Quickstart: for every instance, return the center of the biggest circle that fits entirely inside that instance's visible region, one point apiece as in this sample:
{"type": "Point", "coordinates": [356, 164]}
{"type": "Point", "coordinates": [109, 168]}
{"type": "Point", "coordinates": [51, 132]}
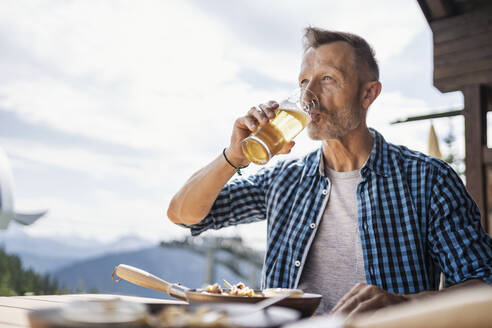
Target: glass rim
{"type": "Point", "coordinates": [297, 94]}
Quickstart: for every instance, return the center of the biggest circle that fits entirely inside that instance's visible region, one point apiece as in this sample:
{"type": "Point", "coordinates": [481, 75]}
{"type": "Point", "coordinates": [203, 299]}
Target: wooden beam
{"type": "Point", "coordinates": [425, 10]}
{"type": "Point", "coordinates": [456, 32]}
{"type": "Point", "coordinates": [430, 116]}
{"type": "Point", "coordinates": [440, 8]}
{"type": "Point", "coordinates": [488, 172]}
{"type": "Point", "coordinates": [475, 141]}
{"type": "Point", "coordinates": [461, 25]}
{"type": "Point", "coordinates": [469, 66]}
{"type": "Point", "coordinates": [455, 83]}
{"type": "Point", "coordinates": [487, 156]}
{"type": "Point", "coordinates": [463, 49]}
{"type": "Point", "coordinates": [457, 58]}
{"type": "Point", "coordinates": [462, 44]}
{"type": "Point", "coordinates": [489, 98]}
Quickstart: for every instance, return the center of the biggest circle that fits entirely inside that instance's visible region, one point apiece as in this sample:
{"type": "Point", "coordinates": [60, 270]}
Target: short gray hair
{"type": "Point", "coordinates": [364, 53]}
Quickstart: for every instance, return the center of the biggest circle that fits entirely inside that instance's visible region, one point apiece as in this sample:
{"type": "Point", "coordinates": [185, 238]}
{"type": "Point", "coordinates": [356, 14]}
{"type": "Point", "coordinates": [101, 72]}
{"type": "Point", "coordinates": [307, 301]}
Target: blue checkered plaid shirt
{"type": "Point", "coordinates": [416, 219]}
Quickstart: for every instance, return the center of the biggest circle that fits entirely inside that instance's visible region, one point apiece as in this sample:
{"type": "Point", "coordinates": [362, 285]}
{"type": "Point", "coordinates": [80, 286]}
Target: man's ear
{"type": "Point", "coordinates": [369, 92]}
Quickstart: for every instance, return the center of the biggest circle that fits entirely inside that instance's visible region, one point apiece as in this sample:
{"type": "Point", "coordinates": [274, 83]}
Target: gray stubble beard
{"type": "Point", "coordinates": [333, 130]}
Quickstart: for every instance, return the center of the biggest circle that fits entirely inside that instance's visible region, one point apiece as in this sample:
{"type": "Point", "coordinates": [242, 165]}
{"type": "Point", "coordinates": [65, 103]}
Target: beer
{"type": "Point", "coordinates": [269, 139]}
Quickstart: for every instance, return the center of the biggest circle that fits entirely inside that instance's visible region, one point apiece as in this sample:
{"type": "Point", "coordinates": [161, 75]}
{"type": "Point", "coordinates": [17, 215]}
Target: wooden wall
{"type": "Point", "coordinates": [463, 62]}
{"type": "Point", "coordinates": [476, 147]}
{"type": "Point", "coordinates": [463, 50]}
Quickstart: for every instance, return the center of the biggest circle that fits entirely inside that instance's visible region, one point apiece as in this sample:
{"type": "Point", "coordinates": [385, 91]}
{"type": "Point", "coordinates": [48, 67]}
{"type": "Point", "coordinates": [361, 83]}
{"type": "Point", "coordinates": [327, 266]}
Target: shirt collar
{"type": "Point", "coordinates": [377, 161]}
{"type": "Point", "coordinates": [313, 162]}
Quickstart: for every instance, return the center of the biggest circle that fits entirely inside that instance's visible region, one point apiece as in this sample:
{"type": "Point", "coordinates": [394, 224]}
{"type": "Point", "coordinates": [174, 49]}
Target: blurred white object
{"type": "Point", "coordinates": [322, 321]}
{"type": "Point", "coordinates": [7, 210]}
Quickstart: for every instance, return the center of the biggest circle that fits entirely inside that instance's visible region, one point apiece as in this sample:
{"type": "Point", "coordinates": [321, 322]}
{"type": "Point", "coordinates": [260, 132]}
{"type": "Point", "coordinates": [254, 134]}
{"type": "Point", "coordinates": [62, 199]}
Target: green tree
{"type": "Point", "coordinates": [452, 158]}
{"type": "Point", "coordinates": [14, 280]}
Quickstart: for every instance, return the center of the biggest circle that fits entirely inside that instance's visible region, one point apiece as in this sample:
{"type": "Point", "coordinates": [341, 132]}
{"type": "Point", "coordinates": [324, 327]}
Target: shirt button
{"type": "Point", "coordinates": [365, 226]}
{"type": "Point", "coordinates": [298, 263]}
{"type": "Point", "coordinates": [371, 270]}
{"type": "Point", "coordinates": [325, 192]}
{"type": "Point", "coordinates": [312, 225]}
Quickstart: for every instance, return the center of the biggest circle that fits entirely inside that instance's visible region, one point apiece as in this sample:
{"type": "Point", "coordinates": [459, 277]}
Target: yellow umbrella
{"type": "Point", "coordinates": [434, 143]}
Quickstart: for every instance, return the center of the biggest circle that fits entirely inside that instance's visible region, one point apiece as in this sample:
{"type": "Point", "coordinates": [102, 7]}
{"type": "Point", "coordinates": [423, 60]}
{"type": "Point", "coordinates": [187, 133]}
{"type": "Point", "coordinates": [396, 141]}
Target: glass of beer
{"type": "Point", "coordinates": [292, 116]}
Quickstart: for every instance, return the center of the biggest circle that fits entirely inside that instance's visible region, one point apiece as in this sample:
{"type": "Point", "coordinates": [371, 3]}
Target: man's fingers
{"type": "Point", "coordinates": [362, 302]}
{"type": "Point", "coordinates": [249, 122]}
{"type": "Point", "coordinates": [256, 116]}
{"type": "Point", "coordinates": [369, 298]}
{"type": "Point", "coordinates": [259, 115]}
{"type": "Point", "coordinates": [364, 293]}
{"type": "Point", "coordinates": [354, 291]}
{"type": "Point", "coordinates": [269, 109]}
{"type": "Point", "coordinates": [373, 303]}
{"type": "Point", "coordinates": [349, 305]}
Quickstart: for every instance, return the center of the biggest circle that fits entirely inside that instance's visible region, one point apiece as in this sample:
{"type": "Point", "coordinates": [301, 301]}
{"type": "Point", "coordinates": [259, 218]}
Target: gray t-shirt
{"type": "Point", "coordinates": [335, 262]}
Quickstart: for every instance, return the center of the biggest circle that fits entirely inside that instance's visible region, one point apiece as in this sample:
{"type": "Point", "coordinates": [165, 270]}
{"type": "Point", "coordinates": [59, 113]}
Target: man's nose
{"type": "Point", "coordinates": [309, 99]}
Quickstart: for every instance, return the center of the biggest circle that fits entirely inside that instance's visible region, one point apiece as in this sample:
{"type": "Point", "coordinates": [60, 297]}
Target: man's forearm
{"type": "Point", "coordinates": [467, 283]}
{"type": "Point", "coordinates": [195, 199]}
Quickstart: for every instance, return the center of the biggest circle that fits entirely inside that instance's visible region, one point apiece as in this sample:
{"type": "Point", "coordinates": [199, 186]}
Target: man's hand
{"type": "Point", "coordinates": [363, 297]}
{"type": "Point", "coordinates": [245, 125]}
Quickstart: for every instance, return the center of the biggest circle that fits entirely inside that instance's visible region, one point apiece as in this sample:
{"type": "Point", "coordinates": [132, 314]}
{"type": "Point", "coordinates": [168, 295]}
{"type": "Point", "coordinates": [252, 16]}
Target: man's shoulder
{"type": "Point", "coordinates": [411, 158]}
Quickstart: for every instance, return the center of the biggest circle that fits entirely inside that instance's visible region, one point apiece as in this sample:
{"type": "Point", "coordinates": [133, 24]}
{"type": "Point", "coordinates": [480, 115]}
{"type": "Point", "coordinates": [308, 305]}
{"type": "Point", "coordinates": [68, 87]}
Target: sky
{"type": "Point", "coordinates": [107, 107]}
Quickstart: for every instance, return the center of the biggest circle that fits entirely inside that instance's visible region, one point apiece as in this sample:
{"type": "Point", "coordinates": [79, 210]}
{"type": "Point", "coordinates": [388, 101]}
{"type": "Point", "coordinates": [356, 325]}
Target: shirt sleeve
{"type": "Point", "coordinates": [457, 240]}
{"type": "Point", "coordinates": [240, 201]}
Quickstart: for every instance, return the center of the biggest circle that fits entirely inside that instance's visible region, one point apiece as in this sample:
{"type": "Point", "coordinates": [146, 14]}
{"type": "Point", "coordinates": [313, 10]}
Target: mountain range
{"type": "Point", "coordinates": [84, 265]}
{"type": "Point", "coordinates": [48, 254]}
{"type": "Point", "coordinates": [172, 265]}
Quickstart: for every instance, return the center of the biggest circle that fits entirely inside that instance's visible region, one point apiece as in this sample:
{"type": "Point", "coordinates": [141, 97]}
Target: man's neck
{"type": "Point", "coordinates": [350, 152]}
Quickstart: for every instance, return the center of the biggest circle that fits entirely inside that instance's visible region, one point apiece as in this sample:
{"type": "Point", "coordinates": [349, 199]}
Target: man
{"type": "Point", "coordinates": [359, 211]}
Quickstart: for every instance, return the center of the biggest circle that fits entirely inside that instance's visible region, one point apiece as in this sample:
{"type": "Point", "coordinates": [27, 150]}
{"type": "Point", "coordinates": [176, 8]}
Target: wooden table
{"type": "Point", "coordinates": [466, 307]}
{"type": "Point", "coordinates": [14, 309]}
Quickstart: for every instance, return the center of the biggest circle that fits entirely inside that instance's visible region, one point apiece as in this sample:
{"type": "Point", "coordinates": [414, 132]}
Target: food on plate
{"type": "Point", "coordinates": [214, 289]}
{"type": "Point", "coordinates": [241, 289]}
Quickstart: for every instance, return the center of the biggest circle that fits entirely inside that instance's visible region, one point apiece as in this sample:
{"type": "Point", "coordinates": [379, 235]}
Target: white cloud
{"type": "Point", "coordinates": [270, 40]}
{"type": "Point", "coordinates": [162, 76]}
{"type": "Point", "coordinates": [104, 216]}
{"type": "Point", "coordinates": [133, 73]}
{"type": "Point", "coordinates": [115, 68]}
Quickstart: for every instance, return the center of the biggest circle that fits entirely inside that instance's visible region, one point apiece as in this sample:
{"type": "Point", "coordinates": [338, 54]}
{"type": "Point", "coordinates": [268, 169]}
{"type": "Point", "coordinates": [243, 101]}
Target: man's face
{"type": "Point", "coordinates": [329, 71]}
